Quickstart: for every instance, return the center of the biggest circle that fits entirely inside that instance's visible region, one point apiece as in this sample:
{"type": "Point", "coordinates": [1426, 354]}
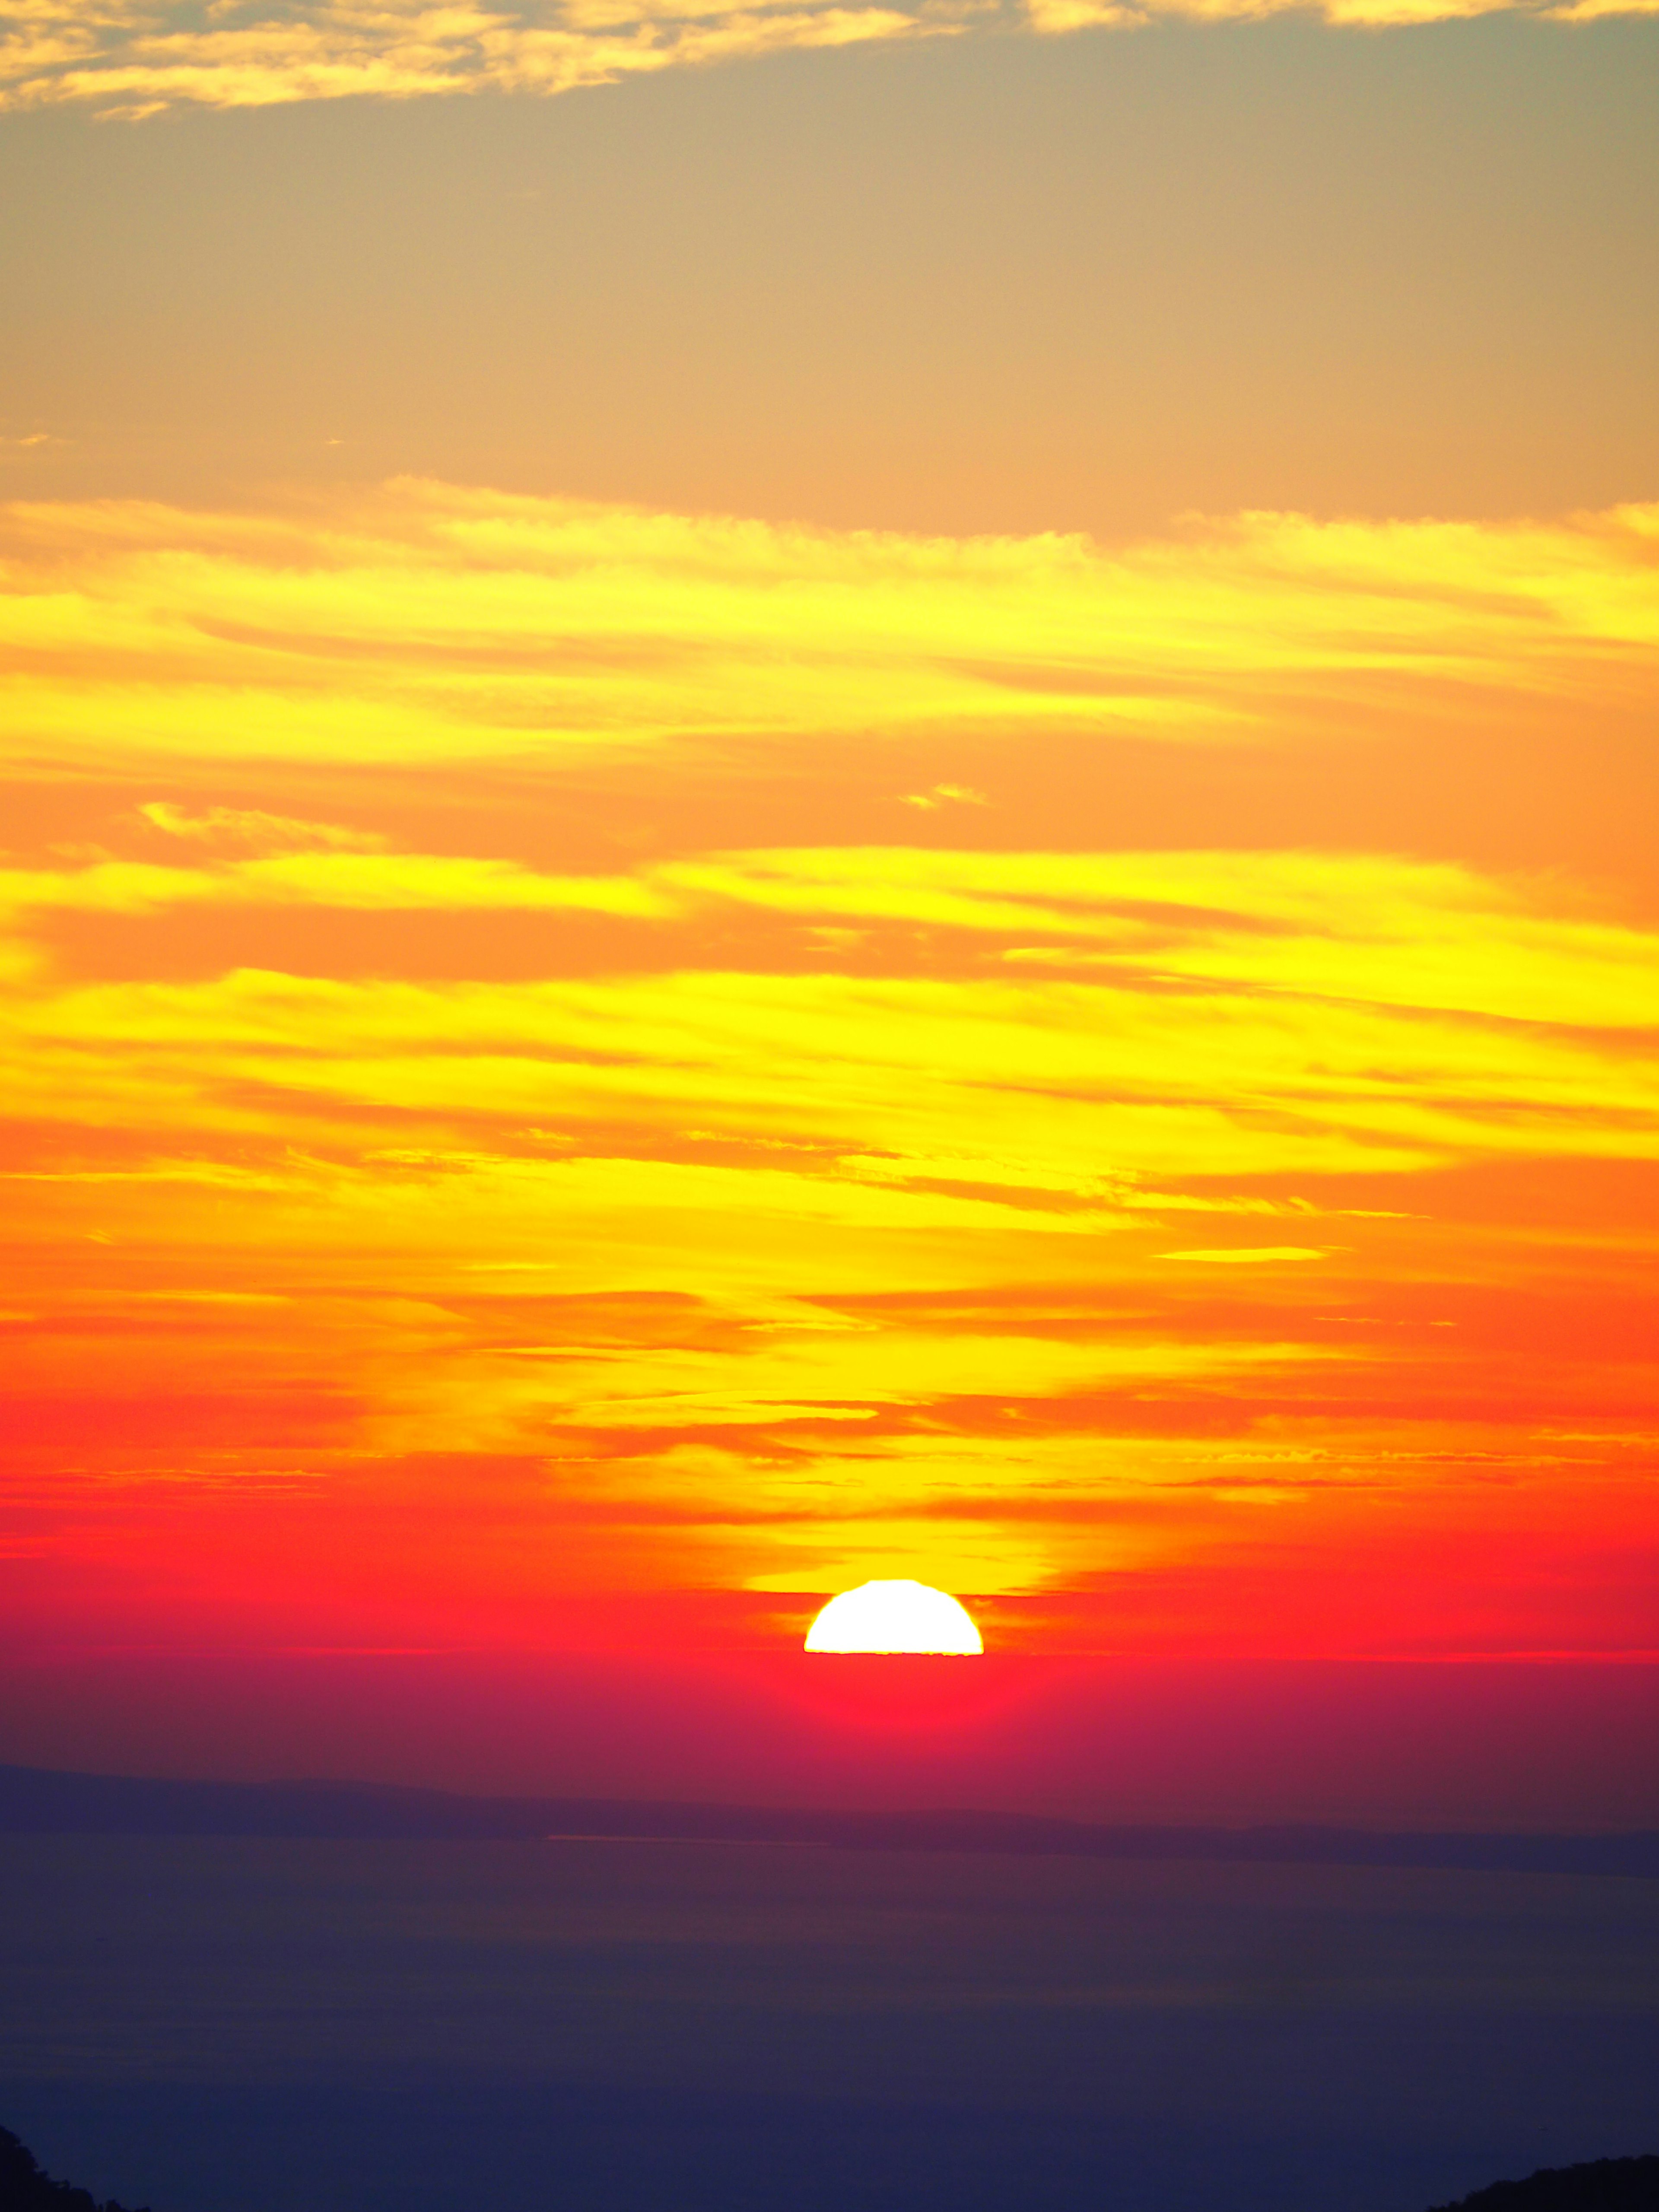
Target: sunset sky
{"type": "Point", "coordinates": [805, 792]}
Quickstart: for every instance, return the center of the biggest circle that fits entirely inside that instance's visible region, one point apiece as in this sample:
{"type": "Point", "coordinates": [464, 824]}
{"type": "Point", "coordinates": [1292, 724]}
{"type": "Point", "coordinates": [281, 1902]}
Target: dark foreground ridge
{"type": "Point", "coordinates": [1605, 2184]}
{"type": "Point", "coordinates": [38, 1801]}
{"type": "Point", "coordinates": [24, 2188]}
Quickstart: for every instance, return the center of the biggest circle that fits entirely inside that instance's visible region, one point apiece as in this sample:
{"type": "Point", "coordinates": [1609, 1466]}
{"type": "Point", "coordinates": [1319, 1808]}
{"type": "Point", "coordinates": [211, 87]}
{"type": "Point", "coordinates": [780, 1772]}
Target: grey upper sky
{"type": "Point", "coordinates": [997, 282]}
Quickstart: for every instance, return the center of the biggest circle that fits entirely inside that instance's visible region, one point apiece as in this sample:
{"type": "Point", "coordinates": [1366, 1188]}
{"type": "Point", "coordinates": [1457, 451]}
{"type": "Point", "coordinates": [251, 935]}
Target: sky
{"type": "Point", "coordinates": [816, 792]}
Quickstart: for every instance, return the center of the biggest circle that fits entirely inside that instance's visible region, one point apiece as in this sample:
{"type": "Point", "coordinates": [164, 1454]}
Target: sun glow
{"type": "Point", "coordinates": [899, 1616]}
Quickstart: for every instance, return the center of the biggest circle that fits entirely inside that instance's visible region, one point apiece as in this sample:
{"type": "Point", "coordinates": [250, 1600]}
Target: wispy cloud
{"type": "Point", "coordinates": [1469, 1024]}
{"type": "Point", "coordinates": [425, 623]}
{"type": "Point", "coordinates": [252, 825]}
{"type": "Point", "coordinates": [399, 883]}
{"type": "Point", "coordinates": [1056, 17]}
{"type": "Point", "coordinates": [136, 60]}
{"type": "Point", "coordinates": [384, 1184]}
{"type": "Point", "coordinates": [677, 1236]}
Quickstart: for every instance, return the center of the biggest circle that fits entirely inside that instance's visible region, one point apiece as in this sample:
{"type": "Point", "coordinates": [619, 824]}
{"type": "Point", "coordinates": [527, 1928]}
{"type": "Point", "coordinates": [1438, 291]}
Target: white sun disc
{"type": "Point", "coordinates": [894, 1617]}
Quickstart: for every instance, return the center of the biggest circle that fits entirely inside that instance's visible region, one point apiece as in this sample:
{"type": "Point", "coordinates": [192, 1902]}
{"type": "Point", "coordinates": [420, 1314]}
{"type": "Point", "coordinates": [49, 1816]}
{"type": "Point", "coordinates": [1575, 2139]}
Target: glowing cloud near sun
{"type": "Point", "coordinates": [901, 1616]}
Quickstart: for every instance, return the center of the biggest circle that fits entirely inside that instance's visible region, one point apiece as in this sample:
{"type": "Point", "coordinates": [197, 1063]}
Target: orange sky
{"type": "Point", "coordinates": [805, 792]}
{"type": "Point", "coordinates": [569, 1065]}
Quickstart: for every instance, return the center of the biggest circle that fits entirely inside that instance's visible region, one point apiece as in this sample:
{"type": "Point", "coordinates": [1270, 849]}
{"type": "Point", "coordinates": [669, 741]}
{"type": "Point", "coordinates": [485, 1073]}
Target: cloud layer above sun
{"type": "Point", "coordinates": [554, 1050]}
{"type": "Point", "coordinates": [136, 60]}
{"type": "Point", "coordinates": [422, 623]}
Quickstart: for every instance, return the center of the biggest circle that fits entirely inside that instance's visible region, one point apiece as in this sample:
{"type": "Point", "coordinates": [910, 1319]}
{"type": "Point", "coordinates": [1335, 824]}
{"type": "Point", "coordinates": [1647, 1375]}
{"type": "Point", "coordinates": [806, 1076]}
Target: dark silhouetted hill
{"type": "Point", "coordinates": [1605, 2184]}
{"type": "Point", "coordinates": [24, 2188]}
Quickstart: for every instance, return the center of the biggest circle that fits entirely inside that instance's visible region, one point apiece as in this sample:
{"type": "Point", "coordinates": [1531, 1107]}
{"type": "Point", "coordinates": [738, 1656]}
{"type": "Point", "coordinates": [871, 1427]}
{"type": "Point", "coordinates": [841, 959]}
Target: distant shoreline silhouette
{"type": "Point", "coordinates": [40, 1801]}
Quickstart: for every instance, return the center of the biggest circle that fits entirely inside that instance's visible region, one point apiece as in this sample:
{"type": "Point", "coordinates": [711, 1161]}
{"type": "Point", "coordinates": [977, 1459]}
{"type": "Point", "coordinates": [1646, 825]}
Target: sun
{"type": "Point", "coordinates": [894, 1617]}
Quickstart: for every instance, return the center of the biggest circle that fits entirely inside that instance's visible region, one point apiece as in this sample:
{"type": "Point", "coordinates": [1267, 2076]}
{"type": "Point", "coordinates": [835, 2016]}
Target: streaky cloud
{"type": "Point", "coordinates": [422, 622]}
{"type": "Point", "coordinates": [135, 61]}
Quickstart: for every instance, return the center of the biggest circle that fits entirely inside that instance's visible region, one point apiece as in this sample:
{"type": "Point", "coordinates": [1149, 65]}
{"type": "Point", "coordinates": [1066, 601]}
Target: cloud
{"type": "Point", "coordinates": [1053, 17]}
{"type": "Point", "coordinates": [1387, 1018]}
{"type": "Point", "coordinates": [425, 624]}
{"type": "Point", "coordinates": [1253, 1255]}
{"type": "Point", "coordinates": [773, 1198]}
{"type": "Point", "coordinates": [683, 1240]}
{"type": "Point", "coordinates": [945, 794]}
{"type": "Point", "coordinates": [392, 883]}
{"type": "Point", "coordinates": [1347, 929]}
{"type": "Point", "coordinates": [251, 825]}
{"type": "Point", "coordinates": [1056, 17]}
{"type": "Point", "coordinates": [136, 60]}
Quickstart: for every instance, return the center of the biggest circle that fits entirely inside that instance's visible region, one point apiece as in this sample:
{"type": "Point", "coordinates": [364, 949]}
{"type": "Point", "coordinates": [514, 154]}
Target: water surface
{"type": "Point", "coordinates": [253, 2026]}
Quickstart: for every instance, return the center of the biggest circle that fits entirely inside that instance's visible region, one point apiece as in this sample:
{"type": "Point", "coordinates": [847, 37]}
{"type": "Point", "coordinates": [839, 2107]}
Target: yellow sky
{"type": "Point", "coordinates": [425, 624]}
{"type": "Point", "coordinates": [1031, 1219]}
{"type": "Point", "coordinates": [879, 805]}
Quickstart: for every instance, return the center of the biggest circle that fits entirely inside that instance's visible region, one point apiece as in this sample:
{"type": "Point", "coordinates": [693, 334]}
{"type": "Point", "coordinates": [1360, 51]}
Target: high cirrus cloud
{"type": "Point", "coordinates": [423, 623]}
{"type": "Point", "coordinates": [137, 60]}
{"type": "Point", "coordinates": [1040, 1274]}
{"type": "Point", "coordinates": [503, 1080]}
{"type": "Point", "coordinates": [1179, 1014]}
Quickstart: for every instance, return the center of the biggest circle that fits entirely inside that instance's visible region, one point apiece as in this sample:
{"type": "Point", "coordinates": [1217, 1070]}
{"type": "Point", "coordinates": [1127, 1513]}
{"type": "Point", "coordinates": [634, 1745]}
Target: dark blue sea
{"type": "Point", "coordinates": [245, 2026]}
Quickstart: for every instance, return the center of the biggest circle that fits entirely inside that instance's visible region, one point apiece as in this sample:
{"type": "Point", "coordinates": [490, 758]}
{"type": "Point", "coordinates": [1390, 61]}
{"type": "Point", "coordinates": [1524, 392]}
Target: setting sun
{"type": "Point", "coordinates": [899, 1616]}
